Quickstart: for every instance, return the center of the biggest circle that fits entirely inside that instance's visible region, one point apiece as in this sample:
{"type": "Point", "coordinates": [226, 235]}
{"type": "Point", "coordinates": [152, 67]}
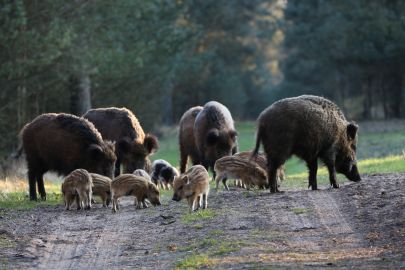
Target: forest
{"type": "Point", "coordinates": [161, 57]}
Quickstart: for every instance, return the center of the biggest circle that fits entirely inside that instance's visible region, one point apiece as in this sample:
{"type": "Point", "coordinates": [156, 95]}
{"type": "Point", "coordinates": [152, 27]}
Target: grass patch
{"type": "Point", "coordinates": [194, 262]}
{"type": "Point", "coordinates": [198, 215]}
{"type": "Point", "coordinates": [225, 248]}
{"type": "Point", "coordinates": [14, 194]}
{"type": "Point", "coordinates": [6, 242]}
{"type": "Point", "coordinates": [20, 200]}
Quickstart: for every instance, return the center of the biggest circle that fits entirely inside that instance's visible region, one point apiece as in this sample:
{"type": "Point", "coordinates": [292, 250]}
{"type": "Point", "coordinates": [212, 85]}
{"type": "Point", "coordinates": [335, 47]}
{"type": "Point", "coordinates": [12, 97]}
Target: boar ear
{"type": "Point", "coordinates": [212, 136]}
{"type": "Point", "coordinates": [124, 145]}
{"type": "Point", "coordinates": [151, 143]}
{"type": "Point", "coordinates": [95, 150]}
{"type": "Point", "coordinates": [186, 180]}
{"type": "Point", "coordinates": [352, 130]}
{"type": "Point", "coordinates": [233, 134]}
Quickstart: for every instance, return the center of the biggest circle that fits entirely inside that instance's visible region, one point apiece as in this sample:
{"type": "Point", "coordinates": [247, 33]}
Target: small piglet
{"type": "Point", "coordinates": [194, 186]}
{"type": "Point", "coordinates": [133, 185]}
{"type": "Point", "coordinates": [102, 188]}
{"type": "Point", "coordinates": [142, 173]}
{"type": "Point", "coordinates": [77, 186]}
{"type": "Point", "coordinates": [234, 167]}
{"type": "Point", "coordinates": [163, 173]}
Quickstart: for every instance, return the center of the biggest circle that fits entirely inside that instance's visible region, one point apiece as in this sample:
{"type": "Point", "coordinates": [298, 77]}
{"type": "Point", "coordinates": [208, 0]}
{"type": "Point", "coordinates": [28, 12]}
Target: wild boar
{"type": "Point", "coordinates": [120, 125]}
{"type": "Point", "coordinates": [309, 127]}
{"type": "Point", "coordinates": [133, 185]}
{"type": "Point", "coordinates": [63, 143]}
{"type": "Point", "coordinates": [102, 188]}
{"type": "Point", "coordinates": [188, 148]}
{"type": "Point", "coordinates": [261, 160]}
{"type": "Point", "coordinates": [194, 186]}
{"type": "Point", "coordinates": [142, 173]}
{"type": "Point", "coordinates": [214, 134]}
{"type": "Point", "coordinates": [163, 173]}
{"type": "Point", "coordinates": [77, 186]}
{"type": "Point", "coordinates": [235, 167]}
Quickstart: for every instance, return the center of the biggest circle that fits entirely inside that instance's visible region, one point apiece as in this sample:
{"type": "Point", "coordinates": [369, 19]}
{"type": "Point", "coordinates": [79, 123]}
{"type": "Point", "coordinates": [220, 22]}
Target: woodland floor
{"type": "Point", "coordinates": [359, 226]}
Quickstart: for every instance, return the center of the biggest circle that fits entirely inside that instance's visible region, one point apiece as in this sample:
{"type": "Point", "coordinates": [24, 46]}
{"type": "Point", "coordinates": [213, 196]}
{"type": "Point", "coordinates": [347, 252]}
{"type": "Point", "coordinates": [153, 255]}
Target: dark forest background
{"type": "Point", "coordinates": [160, 57]}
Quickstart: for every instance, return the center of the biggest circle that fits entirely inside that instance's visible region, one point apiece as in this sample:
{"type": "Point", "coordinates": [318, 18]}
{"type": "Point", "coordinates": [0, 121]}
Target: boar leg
{"type": "Point", "coordinates": [78, 202]}
{"type": "Point", "coordinates": [183, 161]}
{"type": "Point", "coordinates": [205, 201]}
{"type": "Point", "coordinates": [332, 175]}
{"type": "Point", "coordinates": [224, 183]}
{"type": "Point", "coordinates": [32, 185]}
{"type": "Point", "coordinates": [313, 169]}
{"type": "Point", "coordinates": [117, 169]}
{"type": "Point", "coordinates": [272, 174]}
{"type": "Point", "coordinates": [41, 186]}
{"type": "Point", "coordinates": [88, 195]}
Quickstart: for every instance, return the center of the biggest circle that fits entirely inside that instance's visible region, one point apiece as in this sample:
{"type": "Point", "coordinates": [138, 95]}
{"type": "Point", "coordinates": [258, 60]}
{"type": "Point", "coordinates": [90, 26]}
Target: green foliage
{"type": "Point", "coordinates": [346, 50]}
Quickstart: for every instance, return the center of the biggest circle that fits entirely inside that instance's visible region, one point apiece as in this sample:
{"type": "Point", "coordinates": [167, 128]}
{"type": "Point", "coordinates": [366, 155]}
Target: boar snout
{"type": "Point", "coordinates": [176, 198]}
{"type": "Point", "coordinates": [157, 204]}
{"type": "Point", "coordinates": [354, 174]}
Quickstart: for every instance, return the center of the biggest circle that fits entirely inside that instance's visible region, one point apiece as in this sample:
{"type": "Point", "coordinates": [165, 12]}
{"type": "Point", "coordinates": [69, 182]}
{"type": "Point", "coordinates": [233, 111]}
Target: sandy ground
{"type": "Point", "coordinates": [359, 226]}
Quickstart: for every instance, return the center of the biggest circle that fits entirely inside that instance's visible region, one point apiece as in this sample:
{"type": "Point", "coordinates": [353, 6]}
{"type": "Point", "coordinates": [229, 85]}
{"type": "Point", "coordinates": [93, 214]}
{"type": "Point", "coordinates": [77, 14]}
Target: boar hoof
{"type": "Point", "coordinates": [335, 185]}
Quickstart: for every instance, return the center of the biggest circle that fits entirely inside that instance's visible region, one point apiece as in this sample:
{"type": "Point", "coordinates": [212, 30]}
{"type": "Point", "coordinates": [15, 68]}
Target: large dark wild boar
{"type": "Point", "coordinates": [186, 138]}
{"type": "Point", "coordinates": [309, 127]}
{"type": "Point", "coordinates": [63, 143]}
{"type": "Point", "coordinates": [132, 146]}
{"type": "Point", "coordinates": [214, 134]}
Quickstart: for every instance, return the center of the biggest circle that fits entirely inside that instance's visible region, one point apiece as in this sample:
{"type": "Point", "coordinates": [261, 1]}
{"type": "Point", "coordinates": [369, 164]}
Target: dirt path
{"type": "Point", "coordinates": [359, 226]}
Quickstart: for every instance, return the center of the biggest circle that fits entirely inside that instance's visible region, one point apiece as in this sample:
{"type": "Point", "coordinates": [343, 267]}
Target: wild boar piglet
{"type": "Point", "coordinates": [77, 186]}
{"type": "Point", "coordinates": [102, 188]}
{"type": "Point", "coordinates": [193, 185]}
{"type": "Point", "coordinates": [163, 173]}
{"type": "Point", "coordinates": [233, 167]}
{"type": "Point", "coordinates": [134, 185]}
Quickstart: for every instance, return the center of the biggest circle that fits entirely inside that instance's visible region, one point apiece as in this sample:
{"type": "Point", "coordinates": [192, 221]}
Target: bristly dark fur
{"type": "Point", "coordinates": [121, 126]}
{"type": "Point", "coordinates": [63, 143]}
{"type": "Point", "coordinates": [81, 127]}
{"type": "Point", "coordinates": [214, 133]}
{"type": "Point", "coordinates": [311, 128]}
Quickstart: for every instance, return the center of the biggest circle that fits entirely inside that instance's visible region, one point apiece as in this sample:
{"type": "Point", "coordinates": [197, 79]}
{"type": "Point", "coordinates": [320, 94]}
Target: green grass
{"type": "Point", "coordinates": [20, 200]}
{"type": "Point", "coordinates": [195, 261]}
{"type": "Point", "coordinates": [198, 215]}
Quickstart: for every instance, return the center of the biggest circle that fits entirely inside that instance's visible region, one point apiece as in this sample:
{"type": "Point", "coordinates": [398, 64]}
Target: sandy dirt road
{"type": "Point", "coordinates": [359, 226]}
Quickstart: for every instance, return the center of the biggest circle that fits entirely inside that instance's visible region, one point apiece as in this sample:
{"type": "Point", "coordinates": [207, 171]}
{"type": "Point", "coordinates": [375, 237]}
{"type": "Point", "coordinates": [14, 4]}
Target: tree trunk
{"type": "Point", "coordinates": [80, 94]}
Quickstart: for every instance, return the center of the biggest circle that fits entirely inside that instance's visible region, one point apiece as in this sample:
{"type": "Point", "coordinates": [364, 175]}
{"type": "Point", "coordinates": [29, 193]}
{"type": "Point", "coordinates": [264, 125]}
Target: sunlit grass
{"type": "Point", "coordinates": [14, 194]}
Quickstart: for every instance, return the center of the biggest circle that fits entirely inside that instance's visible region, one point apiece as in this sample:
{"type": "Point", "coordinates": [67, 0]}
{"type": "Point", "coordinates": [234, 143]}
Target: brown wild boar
{"type": "Point", "coordinates": [309, 127]}
{"type": "Point", "coordinates": [102, 188]}
{"type": "Point", "coordinates": [194, 186]}
{"type": "Point", "coordinates": [133, 185]}
{"type": "Point", "coordinates": [261, 160]}
{"type": "Point", "coordinates": [188, 148]}
{"type": "Point", "coordinates": [77, 186]}
{"type": "Point", "coordinates": [63, 143]}
{"type": "Point", "coordinates": [214, 134]}
{"type": "Point", "coordinates": [234, 167]}
{"type": "Point", "coordinates": [142, 173]}
{"type": "Point", "coordinates": [120, 125]}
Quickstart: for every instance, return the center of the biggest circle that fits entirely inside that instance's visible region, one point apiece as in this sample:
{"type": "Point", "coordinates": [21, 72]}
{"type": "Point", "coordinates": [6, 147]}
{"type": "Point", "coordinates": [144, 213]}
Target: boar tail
{"type": "Point", "coordinates": [255, 151]}
{"type": "Point", "coordinates": [17, 154]}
